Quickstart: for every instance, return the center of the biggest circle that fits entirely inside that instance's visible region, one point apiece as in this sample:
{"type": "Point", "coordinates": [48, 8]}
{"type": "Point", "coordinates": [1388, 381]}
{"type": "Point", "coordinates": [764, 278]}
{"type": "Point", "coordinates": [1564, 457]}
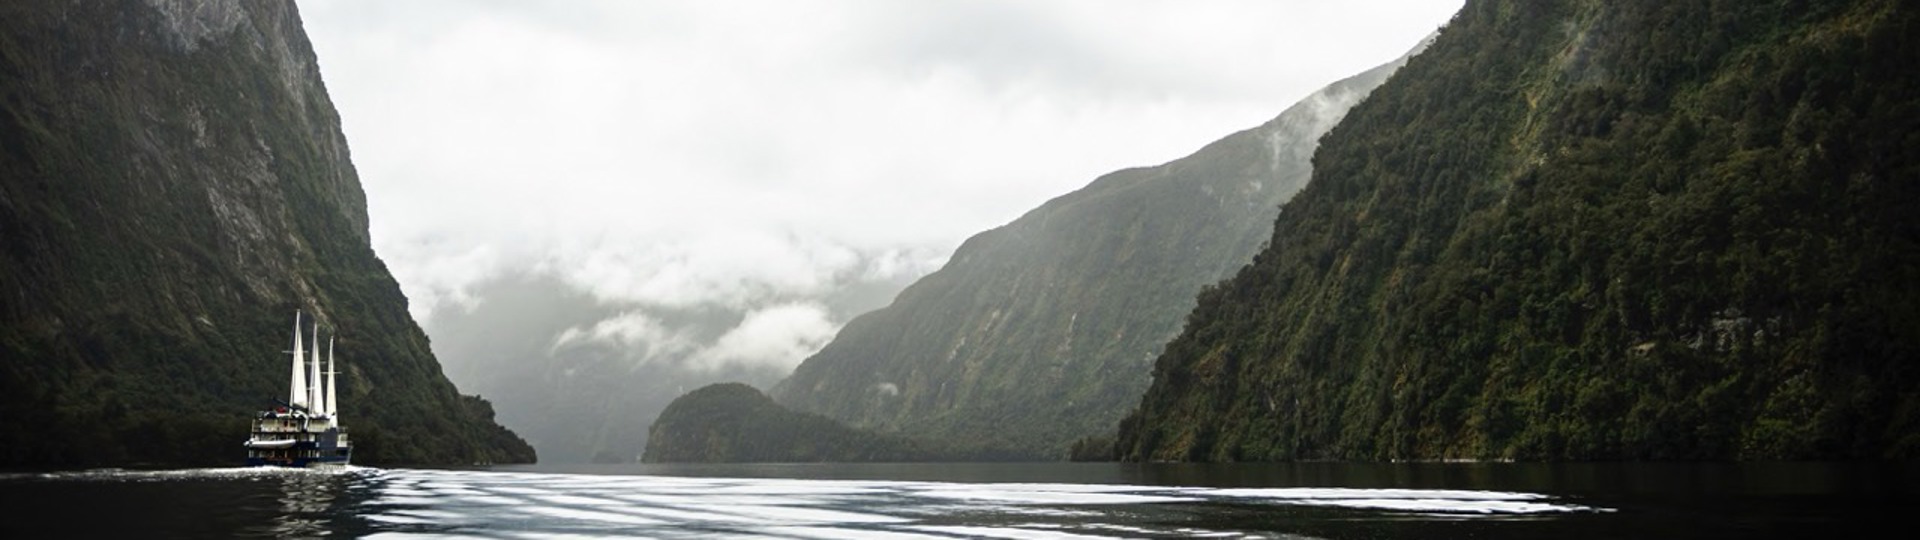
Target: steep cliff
{"type": "Point", "coordinates": [1576, 229]}
{"type": "Point", "coordinates": [174, 184]}
{"type": "Point", "coordinates": [1043, 331]}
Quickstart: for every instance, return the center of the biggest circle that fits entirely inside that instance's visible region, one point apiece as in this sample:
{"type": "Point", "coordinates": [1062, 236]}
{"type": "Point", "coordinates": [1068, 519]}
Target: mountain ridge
{"type": "Point", "coordinates": [1039, 332]}
{"type": "Point", "coordinates": [176, 187]}
{"type": "Point", "coordinates": [1584, 230]}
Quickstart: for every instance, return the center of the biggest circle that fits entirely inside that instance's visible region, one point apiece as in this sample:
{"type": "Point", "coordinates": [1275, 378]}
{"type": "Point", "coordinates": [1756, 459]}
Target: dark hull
{"type": "Point", "coordinates": [297, 462]}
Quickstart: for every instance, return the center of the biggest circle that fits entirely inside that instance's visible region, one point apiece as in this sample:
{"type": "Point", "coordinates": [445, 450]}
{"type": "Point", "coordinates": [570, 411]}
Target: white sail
{"type": "Point", "coordinates": [313, 390]}
{"type": "Point", "coordinates": [333, 407]}
{"type": "Point", "coordinates": [298, 393]}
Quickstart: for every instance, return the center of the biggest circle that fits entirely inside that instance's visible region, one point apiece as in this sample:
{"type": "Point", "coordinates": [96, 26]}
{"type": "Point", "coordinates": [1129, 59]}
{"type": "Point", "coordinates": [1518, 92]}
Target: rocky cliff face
{"type": "Point", "coordinates": [1043, 331]}
{"type": "Point", "coordinates": [174, 184]}
{"type": "Point", "coordinates": [1586, 230]}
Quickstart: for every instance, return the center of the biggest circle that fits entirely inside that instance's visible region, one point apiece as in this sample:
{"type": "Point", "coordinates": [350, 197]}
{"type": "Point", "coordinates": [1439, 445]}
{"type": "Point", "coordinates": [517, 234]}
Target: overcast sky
{"type": "Point", "coordinates": [753, 157]}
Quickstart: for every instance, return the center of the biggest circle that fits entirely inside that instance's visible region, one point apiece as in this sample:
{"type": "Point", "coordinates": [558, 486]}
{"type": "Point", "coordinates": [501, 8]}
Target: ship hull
{"type": "Point", "coordinates": [298, 462]}
{"type": "Point", "coordinates": [293, 440]}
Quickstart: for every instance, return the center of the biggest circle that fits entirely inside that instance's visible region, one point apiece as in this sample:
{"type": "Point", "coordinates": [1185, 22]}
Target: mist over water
{"type": "Point", "coordinates": [711, 191]}
{"type": "Point", "coordinates": [1039, 500]}
{"type": "Point", "coordinates": [583, 381]}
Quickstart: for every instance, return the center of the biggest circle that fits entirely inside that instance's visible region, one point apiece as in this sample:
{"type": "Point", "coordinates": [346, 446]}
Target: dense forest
{"type": "Point", "coordinates": [1043, 331]}
{"type": "Point", "coordinates": [174, 185]}
{"type": "Point", "coordinates": [733, 422]}
{"type": "Point", "coordinates": [1577, 229]}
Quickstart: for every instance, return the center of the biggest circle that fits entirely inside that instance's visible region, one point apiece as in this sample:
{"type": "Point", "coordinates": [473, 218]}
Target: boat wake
{"type": "Point", "coordinates": [168, 475]}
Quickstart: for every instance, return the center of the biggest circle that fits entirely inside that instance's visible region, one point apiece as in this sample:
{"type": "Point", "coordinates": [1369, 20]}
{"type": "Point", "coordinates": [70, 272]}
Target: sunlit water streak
{"type": "Point", "coordinates": [457, 503]}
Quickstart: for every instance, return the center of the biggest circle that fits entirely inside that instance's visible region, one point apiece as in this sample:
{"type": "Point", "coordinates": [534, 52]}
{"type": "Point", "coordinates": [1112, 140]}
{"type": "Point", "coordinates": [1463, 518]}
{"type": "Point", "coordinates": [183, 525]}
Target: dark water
{"type": "Point", "coordinates": [1050, 500]}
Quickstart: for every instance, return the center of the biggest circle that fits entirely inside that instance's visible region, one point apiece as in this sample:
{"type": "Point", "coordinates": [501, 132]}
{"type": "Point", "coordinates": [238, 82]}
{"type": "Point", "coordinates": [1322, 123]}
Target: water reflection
{"type": "Point", "coordinates": [306, 504]}
{"type": "Point", "coordinates": [1047, 500]}
{"type": "Point", "coordinates": [470, 502]}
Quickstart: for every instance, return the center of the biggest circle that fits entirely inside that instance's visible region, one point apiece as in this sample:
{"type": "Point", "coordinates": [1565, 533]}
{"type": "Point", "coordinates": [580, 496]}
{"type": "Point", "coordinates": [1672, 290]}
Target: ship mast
{"type": "Point", "coordinates": [297, 395]}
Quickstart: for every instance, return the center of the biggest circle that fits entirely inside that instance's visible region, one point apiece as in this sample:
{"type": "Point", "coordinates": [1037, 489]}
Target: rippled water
{"type": "Point", "coordinates": [965, 501]}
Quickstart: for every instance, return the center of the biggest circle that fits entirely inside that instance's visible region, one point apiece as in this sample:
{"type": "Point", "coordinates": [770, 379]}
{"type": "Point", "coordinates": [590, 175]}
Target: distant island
{"type": "Point", "coordinates": [732, 422]}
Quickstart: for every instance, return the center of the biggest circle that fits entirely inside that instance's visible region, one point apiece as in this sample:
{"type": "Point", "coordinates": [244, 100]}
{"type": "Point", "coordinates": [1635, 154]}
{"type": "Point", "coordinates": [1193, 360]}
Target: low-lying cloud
{"type": "Point", "coordinates": [681, 154]}
{"type": "Point", "coordinates": [778, 336]}
{"type": "Point", "coordinates": [717, 187]}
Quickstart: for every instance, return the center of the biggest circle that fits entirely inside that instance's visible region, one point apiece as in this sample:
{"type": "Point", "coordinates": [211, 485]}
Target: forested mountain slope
{"type": "Point", "coordinates": [1586, 230]}
{"type": "Point", "coordinates": [734, 423]}
{"type": "Point", "coordinates": [174, 184]}
{"type": "Point", "coordinates": [1043, 331]}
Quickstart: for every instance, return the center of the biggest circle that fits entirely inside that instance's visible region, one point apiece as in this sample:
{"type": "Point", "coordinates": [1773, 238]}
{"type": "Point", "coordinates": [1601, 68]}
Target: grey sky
{"type": "Point", "coordinates": [758, 157]}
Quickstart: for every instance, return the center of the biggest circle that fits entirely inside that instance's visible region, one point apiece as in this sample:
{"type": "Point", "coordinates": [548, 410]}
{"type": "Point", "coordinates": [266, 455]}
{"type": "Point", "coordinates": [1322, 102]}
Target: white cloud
{"type": "Point", "coordinates": [741, 154]}
{"type": "Point", "coordinates": [779, 336]}
{"type": "Point", "coordinates": [643, 338]}
{"type": "Point", "coordinates": [728, 268]}
{"type": "Point", "coordinates": [730, 181]}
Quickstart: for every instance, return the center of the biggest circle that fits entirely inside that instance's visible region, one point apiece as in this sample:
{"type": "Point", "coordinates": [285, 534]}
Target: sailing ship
{"type": "Point", "coordinates": [304, 430]}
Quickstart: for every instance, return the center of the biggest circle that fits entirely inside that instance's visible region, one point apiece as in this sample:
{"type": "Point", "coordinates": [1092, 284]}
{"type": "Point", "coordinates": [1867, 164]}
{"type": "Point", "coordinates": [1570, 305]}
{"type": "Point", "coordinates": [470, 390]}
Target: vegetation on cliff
{"type": "Point", "coordinates": [174, 184]}
{"type": "Point", "coordinates": [1577, 229]}
{"type": "Point", "coordinates": [1042, 331]}
{"type": "Point", "coordinates": [733, 422]}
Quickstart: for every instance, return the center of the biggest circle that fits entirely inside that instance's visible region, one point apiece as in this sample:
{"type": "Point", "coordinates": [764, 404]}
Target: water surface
{"type": "Point", "coordinates": [1040, 500]}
